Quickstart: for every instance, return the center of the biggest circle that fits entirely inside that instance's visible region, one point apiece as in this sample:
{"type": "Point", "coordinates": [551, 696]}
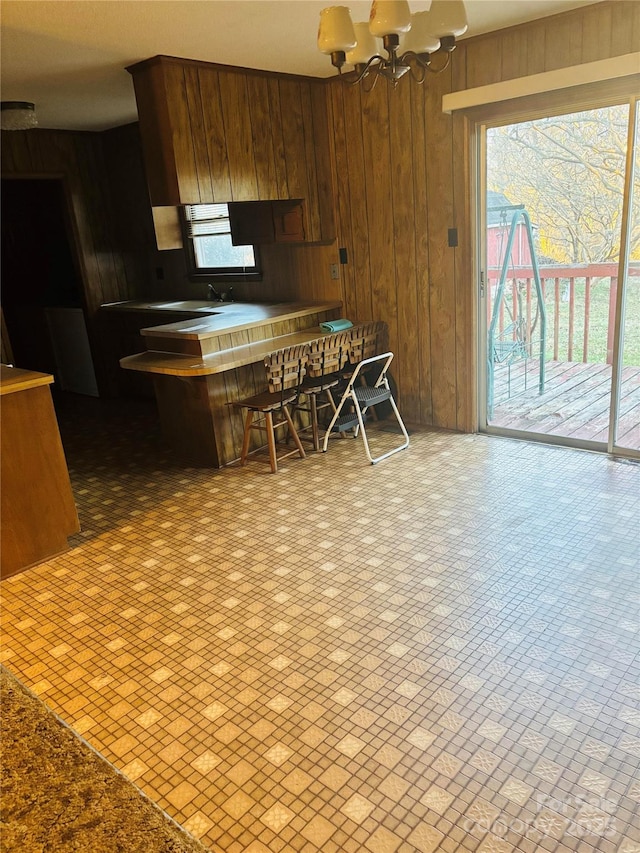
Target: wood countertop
{"type": "Point", "coordinates": [234, 317]}
{"type": "Point", "coordinates": [14, 379]}
{"type": "Point", "coordinates": [171, 364]}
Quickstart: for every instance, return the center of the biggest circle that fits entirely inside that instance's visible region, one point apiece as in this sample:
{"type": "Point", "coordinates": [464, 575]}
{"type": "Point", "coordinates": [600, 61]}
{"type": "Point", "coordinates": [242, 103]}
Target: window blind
{"type": "Point", "coordinates": [205, 220]}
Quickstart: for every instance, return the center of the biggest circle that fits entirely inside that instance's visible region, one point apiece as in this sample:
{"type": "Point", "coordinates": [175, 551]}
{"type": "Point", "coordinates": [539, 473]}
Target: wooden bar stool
{"type": "Point", "coordinates": [285, 371]}
{"type": "Point", "coordinates": [327, 357]}
{"type": "Point", "coordinates": [367, 341]}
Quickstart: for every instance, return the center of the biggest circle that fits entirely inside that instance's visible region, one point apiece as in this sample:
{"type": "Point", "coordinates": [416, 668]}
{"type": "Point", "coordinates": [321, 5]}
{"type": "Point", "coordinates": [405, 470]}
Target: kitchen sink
{"type": "Point", "coordinates": [187, 305]}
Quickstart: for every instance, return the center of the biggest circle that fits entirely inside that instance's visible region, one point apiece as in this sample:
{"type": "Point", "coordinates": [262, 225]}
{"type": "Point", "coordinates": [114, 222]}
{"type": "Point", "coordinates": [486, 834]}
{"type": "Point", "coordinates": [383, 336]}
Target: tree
{"type": "Point", "coordinates": [568, 171]}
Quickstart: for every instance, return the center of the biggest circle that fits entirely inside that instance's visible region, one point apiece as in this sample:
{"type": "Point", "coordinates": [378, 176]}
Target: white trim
{"type": "Point", "coordinates": [547, 81]}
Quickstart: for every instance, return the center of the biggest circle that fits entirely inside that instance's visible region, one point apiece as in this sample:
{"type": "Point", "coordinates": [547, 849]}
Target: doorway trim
{"type": "Point", "coordinates": [588, 96]}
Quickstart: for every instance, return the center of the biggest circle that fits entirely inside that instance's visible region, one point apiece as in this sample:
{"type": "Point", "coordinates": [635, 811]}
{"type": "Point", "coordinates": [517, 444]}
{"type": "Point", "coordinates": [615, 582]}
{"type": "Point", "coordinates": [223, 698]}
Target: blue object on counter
{"type": "Point", "coordinates": [336, 325]}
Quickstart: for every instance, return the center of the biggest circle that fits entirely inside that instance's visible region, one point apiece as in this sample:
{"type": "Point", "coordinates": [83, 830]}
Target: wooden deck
{"type": "Point", "coordinates": [575, 402]}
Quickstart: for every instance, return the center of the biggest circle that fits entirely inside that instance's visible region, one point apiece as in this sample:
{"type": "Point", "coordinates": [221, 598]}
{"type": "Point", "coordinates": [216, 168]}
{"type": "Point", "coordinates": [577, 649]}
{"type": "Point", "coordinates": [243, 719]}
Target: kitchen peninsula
{"type": "Point", "coordinates": [201, 365]}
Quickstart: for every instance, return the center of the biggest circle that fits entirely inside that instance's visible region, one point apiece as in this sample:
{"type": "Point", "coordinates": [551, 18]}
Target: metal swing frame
{"type": "Point", "coordinates": [519, 213]}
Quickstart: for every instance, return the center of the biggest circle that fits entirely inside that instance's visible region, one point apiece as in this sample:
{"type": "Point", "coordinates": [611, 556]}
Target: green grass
{"type": "Point", "coordinates": [598, 321]}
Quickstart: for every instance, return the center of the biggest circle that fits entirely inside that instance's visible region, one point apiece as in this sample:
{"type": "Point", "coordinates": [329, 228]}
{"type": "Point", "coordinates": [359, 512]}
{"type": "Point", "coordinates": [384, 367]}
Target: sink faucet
{"type": "Point", "coordinates": [213, 294]}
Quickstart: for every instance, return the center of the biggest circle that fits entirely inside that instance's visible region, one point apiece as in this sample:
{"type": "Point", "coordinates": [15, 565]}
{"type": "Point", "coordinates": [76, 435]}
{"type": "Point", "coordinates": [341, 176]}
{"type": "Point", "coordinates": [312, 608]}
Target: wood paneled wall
{"type": "Point", "coordinates": [402, 178]}
{"type": "Point", "coordinates": [399, 180]}
{"type": "Point", "coordinates": [78, 159]}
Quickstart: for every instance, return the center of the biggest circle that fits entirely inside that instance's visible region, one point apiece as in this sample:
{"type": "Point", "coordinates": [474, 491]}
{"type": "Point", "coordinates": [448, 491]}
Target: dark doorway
{"type": "Point", "coordinates": [41, 288]}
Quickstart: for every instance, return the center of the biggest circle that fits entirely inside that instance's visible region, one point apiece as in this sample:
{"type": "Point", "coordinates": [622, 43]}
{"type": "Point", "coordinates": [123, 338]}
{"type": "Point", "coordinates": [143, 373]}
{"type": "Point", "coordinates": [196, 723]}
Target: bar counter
{"type": "Point", "coordinates": [201, 365]}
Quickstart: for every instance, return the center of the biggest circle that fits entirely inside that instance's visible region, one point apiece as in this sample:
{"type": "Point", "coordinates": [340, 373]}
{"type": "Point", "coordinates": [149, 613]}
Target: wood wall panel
{"type": "Point", "coordinates": [625, 27]}
{"type": "Point", "coordinates": [359, 196]}
{"type": "Point", "coordinates": [277, 137]}
{"type": "Point", "coordinates": [292, 121]}
{"type": "Point", "coordinates": [326, 180]}
{"type": "Point", "coordinates": [377, 164]}
{"type": "Point", "coordinates": [182, 132]}
{"type": "Point", "coordinates": [313, 226]}
{"type": "Point", "coordinates": [242, 167]}
{"type": "Point", "coordinates": [536, 37]}
{"type": "Point", "coordinates": [483, 60]}
{"type": "Point", "coordinates": [340, 168]}
{"type": "Point", "coordinates": [563, 45]}
{"type": "Point", "coordinates": [404, 228]}
{"type": "Point", "coordinates": [209, 84]}
{"type": "Point", "coordinates": [596, 33]}
{"type": "Point", "coordinates": [398, 166]}
{"type": "Point", "coordinates": [422, 321]}
{"type": "Point", "coordinates": [441, 257]}
{"type": "Point", "coordinates": [203, 170]}
{"type": "Point", "coordinates": [513, 58]}
{"type": "Point", "coordinates": [259, 106]}
{"type": "Point", "coordinates": [465, 304]}
{"type": "Point", "coordinates": [405, 150]}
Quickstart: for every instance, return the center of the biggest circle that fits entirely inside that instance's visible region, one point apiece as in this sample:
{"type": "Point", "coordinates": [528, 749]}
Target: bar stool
{"type": "Point", "coordinates": [367, 341]}
{"type": "Point", "coordinates": [327, 358]}
{"type": "Point", "coordinates": [285, 370]}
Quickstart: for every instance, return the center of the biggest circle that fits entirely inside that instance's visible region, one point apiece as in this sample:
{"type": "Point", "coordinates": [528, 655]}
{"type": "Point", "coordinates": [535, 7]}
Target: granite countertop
{"type": "Point", "coordinates": [59, 795]}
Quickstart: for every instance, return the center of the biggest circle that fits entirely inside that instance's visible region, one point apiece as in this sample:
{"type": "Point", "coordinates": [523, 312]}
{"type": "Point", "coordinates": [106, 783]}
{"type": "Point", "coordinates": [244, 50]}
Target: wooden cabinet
{"type": "Point", "coordinates": [264, 222]}
{"type": "Point", "coordinates": [214, 133]}
{"type": "Point", "coordinates": [38, 510]}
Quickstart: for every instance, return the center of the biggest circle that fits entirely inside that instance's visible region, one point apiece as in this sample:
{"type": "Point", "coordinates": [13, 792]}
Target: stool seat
{"type": "Point", "coordinates": [267, 401]}
{"type": "Point", "coordinates": [313, 385]}
{"type": "Point", "coordinates": [327, 358]}
{"type": "Point", "coordinates": [285, 369]}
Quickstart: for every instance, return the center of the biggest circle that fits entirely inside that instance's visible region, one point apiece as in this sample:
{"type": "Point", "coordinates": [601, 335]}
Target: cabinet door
{"type": "Point", "coordinates": [251, 223]}
{"type": "Point", "coordinates": [288, 221]}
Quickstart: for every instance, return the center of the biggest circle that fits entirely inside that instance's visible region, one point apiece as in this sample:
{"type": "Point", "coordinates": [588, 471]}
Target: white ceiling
{"type": "Point", "coordinates": [69, 56]}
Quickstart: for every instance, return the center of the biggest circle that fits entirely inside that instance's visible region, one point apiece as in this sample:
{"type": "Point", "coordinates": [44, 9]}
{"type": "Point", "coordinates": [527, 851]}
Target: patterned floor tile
{"type": "Point", "coordinates": [437, 653]}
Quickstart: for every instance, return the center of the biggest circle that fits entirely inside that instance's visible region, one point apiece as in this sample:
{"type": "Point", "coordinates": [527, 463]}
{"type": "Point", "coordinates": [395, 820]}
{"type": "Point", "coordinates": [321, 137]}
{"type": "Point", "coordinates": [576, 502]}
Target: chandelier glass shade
{"type": "Point", "coordinates": [17, 115]}
{"type": "Point", "coordinates": [410, 41]}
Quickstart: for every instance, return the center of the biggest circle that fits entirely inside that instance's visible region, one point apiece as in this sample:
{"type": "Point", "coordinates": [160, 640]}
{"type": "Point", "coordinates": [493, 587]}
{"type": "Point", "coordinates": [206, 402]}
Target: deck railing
{"type": "Point", "coordinates": [580, 302]}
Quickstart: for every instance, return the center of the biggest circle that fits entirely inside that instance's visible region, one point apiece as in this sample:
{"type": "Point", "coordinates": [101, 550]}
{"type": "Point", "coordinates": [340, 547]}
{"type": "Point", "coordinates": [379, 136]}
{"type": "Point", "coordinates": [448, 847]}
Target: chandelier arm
{"type": "Point", "coordinates": [373, 76]}
{"type": "Point", "coordinates": [416, 64]}
{"type": "Point", "coordinates": [365, 71]}
{"type": "Point", "coordinates": [441, 68]}
{"type": "Point", "coordinates": [425, 64]}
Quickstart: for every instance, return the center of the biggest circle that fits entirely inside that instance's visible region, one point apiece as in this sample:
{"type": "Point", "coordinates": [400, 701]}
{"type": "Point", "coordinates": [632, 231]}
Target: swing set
{"type": "Point", "coordinates": [515, 342]}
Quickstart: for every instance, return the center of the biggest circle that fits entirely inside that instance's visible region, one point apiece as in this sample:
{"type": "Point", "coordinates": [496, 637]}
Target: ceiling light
{"type": "Point", "coordinates": [17, 115]}
{"type": "Point", "coordinates": [411, 41]}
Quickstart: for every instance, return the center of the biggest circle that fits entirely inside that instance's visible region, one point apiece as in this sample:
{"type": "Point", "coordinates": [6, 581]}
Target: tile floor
{"type": "Point", "coordinates": [436, 653]}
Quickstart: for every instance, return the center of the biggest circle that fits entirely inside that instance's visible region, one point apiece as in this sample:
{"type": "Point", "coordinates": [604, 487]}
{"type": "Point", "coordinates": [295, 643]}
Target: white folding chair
{"type": "Point", "coordinates": [361, 397]}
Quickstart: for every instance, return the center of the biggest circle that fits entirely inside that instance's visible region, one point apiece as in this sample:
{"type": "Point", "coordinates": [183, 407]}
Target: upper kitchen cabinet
{"type": "Point", "coordinates": [212, 133]}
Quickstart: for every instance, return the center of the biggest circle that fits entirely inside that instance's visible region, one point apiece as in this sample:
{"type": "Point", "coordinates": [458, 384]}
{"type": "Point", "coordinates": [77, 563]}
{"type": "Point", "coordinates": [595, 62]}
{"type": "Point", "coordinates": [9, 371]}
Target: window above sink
{"type": "Point", "coordinates": [210, 250]}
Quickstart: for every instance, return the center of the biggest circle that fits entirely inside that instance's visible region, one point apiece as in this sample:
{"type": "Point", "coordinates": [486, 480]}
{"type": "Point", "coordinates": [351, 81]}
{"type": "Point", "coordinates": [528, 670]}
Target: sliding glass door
{"type": "Point", "coordinates": [560, 310]}
{"type": "Point", "coordinates": [625, 415]}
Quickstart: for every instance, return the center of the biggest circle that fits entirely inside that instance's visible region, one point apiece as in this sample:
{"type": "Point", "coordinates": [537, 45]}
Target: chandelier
{"type": "Point", "coordinates": [410, 41]}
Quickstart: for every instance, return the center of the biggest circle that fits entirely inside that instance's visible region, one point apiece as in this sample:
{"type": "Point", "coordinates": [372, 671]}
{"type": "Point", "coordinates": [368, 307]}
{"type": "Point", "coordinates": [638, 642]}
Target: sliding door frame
{"type": "Point", "coordinates": [623, 276]}
{"type": "Point", "coordinates": [576, 99]}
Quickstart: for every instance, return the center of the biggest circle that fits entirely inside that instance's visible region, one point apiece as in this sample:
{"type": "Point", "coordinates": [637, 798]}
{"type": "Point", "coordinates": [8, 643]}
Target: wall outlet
{"type": "Point", "coordinates": [335, 272]}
